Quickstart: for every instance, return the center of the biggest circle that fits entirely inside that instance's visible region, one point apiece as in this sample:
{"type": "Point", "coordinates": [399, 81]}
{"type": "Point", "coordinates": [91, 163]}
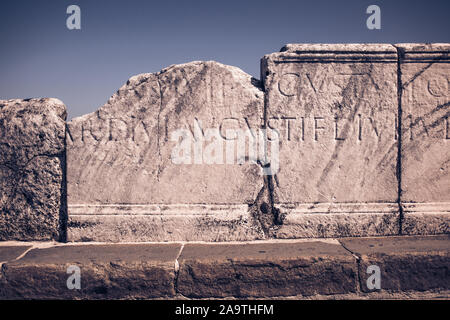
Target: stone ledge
{"type": "Point", "coordinates": [306, 269]}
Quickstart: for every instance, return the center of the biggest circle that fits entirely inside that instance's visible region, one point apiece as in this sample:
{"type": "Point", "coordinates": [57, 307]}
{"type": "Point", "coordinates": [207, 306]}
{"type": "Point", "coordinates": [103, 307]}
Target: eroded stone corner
{"type": "Point", "coordinates": [32, 161]}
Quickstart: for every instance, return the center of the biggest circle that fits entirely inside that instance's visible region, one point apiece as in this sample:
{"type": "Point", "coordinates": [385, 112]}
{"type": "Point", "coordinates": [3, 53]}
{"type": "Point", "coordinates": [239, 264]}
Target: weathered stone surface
{"type": "Point", "coordinates": [265, 269]}
{"type": "Point", "coordinates": [8, 253]}
{"type": "Point", "coordinates": [411, 267]}
{"type": "Point", "coordinates": [164, 223]}
{"type": "Point", "coordinates": [335, 107]}
{"type": "Point", "coordinates": [337, 220]}
{"type": "Point", "coordinates": [32, 173]}
{"type": "Point", "coordinates": [121, 156]}
{"type": "Point", "coordinates": [425, 218]}
{"type": "Point", "coordinates": [425, 105]}
{"type": "Point", "coordinates": [406, 263]}
{"type": "Point", "coordinates": [106, 271]}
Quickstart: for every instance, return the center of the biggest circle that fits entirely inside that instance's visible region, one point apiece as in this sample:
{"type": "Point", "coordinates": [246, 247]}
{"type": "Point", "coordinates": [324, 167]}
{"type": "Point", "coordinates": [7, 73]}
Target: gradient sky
{"type": "Point", "coordinates": [40, 57]}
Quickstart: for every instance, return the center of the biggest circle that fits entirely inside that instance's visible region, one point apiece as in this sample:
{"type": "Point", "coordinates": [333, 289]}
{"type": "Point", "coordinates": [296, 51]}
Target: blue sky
{"type": "Point", "coordinates": [40, 57]}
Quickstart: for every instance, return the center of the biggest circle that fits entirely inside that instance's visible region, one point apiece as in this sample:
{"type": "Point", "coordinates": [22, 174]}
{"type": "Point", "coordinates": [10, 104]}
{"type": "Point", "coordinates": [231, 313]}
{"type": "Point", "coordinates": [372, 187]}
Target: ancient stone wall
{"type": "Point", "coordinates": [335, 141]}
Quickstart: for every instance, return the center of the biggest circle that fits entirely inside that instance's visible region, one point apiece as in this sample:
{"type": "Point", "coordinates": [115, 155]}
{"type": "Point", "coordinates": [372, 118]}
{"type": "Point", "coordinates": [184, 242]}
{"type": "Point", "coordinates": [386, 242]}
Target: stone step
{"type": "Point", "coordinates": [407, 266]}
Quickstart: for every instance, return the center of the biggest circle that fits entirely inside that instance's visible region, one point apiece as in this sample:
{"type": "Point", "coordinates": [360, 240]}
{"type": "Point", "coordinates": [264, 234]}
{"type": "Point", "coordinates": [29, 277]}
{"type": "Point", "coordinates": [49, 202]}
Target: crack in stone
{"type": "Point", "coordinates": [177, 269]}
{"type": "Point", "coordinates": [418, 74]}
{"type": "Point", "coordinates": [266, 209]}
{"type": "Point", "coordinates": [158, 133]}
{"type": "Point", "coordinates": [358, 285]}
{"type": "Point", "coordinates": [255, 210]}
{"type": "Point", "coordinates": [63, 206]}
{"type": "Point", "coordinates": [3, 264]}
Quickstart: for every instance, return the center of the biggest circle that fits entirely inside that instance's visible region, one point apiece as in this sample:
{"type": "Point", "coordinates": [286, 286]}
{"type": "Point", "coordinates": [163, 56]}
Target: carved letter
{"type": "Point", "coordinates": [289, 84]}
{"type": "Point", "coordinates": [336, 134]}
{"type": "Point", "coordinates": [316, 127]}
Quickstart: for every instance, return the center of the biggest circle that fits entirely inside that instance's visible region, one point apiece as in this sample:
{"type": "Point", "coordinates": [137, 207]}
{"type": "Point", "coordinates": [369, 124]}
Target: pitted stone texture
{"type": "Point", "coordinates": [265, 270]}
{"type": "Point", "coordinates": [425, 103]}
{"type": "Point", "coordinates": [106, 271]}
{"type": "Point", "coordinates": [337, 220]}
{"type": "Point", "coordinates": [406, 263]}
{"type": "Point", "coordinates": [122, 153]}
{"type": "Point", "coordinates": [32, 152]}
{"type": "Point", "coordinates": [335, 107]}
{"type": "Point", "coordinates": [426, 218]}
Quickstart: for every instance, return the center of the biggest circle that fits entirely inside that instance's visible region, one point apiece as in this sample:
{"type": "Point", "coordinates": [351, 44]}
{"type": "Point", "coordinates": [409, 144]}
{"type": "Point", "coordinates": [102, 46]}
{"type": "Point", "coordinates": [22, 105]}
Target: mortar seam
{"type": "Point", "coordinates": [159, 124]}
{"type": "Point", "coordinates": [64, 208]}
{"type": "Point", "coordinates": [400, 54]}
{"type": "Point", "coordinates": [268, 180]}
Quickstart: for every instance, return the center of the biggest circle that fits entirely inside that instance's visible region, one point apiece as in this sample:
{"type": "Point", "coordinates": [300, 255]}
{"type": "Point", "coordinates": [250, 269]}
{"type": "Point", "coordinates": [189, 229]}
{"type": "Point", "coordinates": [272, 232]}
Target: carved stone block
{"type": "Point", "coordinates": [335, 107]}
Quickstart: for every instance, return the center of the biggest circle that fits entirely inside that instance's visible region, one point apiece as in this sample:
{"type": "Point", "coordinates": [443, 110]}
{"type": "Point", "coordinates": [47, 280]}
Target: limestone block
{"type": "Point", "coordinates": [154, 163]}
{"type": "Point", "coordinates": [425, 105]}
{"type": "Point", "coordinates": [336, 109]}
{"type": "Point", "coordinates": [119, 271]}
{"type": "Point", "coordinates": [32, 173]}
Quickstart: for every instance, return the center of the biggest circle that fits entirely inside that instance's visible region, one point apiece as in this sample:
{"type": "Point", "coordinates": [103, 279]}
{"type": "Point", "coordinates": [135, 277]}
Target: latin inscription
{"type": "Point", "coordinates": [314, 128]}
{"type": "Point", "coordinates": [328, 128]}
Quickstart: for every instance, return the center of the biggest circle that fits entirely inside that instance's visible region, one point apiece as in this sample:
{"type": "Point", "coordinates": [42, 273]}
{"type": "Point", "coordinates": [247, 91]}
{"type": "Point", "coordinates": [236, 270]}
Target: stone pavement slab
{"type": "Point", "coordinates": [406, 263]}
{"type": "Point", "coordinates": [266, 269]}
{"type": "Point", "coordinates": [410, 266]}
{"type": "Point", "coordinates": [106, 271]}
